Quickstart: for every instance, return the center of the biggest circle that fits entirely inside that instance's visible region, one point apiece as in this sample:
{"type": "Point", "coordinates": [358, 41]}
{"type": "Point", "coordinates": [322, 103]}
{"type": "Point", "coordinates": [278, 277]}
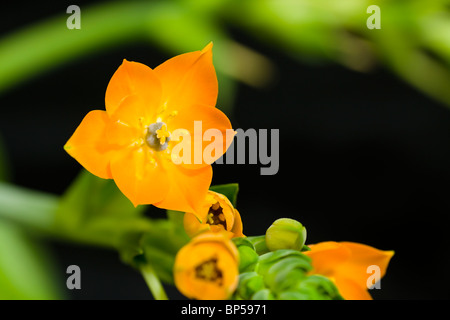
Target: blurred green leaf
{"type": "Point", "coordinates": [176, 218]}
{"type": "Point", "coordinates": [47, 44]}
{"type": "Point", "coordinates": [26, 270]}
{"type": "Point", "coordinates": [160, 244]}
{"type": "Point", "coordinates": [95, 211]}
{"type": "Point", "coordinates": [90, 197]}
{"type": "Point", "coordinates": [130, 249]}
{"type": "Point", "coordinates": [305, 248]}
{"type": "Point", "coordinates": [32, 209]}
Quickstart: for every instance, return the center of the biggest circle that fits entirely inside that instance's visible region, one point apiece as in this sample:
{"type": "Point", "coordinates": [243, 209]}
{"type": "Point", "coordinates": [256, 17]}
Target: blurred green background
{"type": "Point", "coordinates": [363, 118]}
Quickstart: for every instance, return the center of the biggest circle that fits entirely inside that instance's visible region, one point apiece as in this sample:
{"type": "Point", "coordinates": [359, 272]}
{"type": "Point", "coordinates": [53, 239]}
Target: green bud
{"type": "Point", "coordinates": [249, 284]}
{"type": "Point", "coordinates": [285, 233]}
{"type": "Point", "coordinates": [293, 295]}
{"type": "Point", "coordinates": [286, 274]}
{"type": "Point", "coordinates": [264, 294]}
{"type": "Point", "coordinates": [267, 260]}
{"type": "Point", "coordinates": [317, 287]}
{"type": "Point", "coordinates": [248, 259]}
{"type": "Point", "coordinates": [242, 241]}
{"type": "Point", "coordinates": [259, 243]}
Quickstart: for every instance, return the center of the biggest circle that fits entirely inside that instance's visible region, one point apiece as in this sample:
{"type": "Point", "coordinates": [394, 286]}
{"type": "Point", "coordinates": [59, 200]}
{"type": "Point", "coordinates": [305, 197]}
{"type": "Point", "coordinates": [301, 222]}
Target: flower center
{"type": "Point", "coordinates": [157, 136]}
{"type": "Point", "coordinates": [216, 216]}
{"type": "Point", "coordinates": [208, 271]}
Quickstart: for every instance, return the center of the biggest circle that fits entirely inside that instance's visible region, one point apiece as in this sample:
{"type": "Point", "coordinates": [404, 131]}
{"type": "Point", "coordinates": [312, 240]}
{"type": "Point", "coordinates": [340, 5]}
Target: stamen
{"type": "Point", "coordinates": [163, 108]}
{"type": "Point", "coordinates": [209, 271]}
{"type": "Point", "coordinates": [172, 115]}
{"type": "Point", "coordinates": [162, 134]}
{"type": "Point", "coordinates": [157, 136]}
{"type": "Point", "coordinates": [215, 216]}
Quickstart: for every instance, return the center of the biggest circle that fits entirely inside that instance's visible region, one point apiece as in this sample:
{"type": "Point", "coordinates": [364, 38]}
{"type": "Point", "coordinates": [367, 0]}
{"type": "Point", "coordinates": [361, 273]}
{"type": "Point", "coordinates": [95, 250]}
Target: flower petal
{"type": "Point", "coordinates": [351, 290]}
{"type": "Point", "coordinates": [136, 80]}
{"type": "Point", "coordinates": [346, 263]}
{"type": "Point", "coordinates": [237, 227]}
{"type": "Point", "coordinates": [198, 120]}
{"type": "Point", "coordinates": [362, 256]}
{"type": "Point", "coordinates": [140, 179]}
{"type": "Point", "coordinates": [187, 188]}
{"type": "Point", "coordinates": [122, 134]}
{"type": "Point", "coordinates": [89, 144]}
{"type": "Point", "coordinates": [326, 256]}
{"type": "Point", "coordinates": [188, 79]}
{"type": "Point", "coordinates": [190, 257]}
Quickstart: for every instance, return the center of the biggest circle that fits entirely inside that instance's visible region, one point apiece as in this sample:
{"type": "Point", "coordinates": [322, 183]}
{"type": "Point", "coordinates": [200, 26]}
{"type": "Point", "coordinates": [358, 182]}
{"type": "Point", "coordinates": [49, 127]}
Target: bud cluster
{"type": "Point", "coordinates": [273, 267]}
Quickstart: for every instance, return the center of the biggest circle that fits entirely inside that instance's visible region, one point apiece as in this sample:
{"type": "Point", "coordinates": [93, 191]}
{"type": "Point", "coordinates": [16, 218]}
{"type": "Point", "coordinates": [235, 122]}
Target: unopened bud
{"type": "Point", "coordinates": [285, 233]}
{"type": "Point", "coordinates": [248, 259]}
{"type": "Point", "coordinates": [316, 287]}
{"type": "Point", "coordinates": [264, 294]}
{"type": "Point", "coordinates": [249, 284]}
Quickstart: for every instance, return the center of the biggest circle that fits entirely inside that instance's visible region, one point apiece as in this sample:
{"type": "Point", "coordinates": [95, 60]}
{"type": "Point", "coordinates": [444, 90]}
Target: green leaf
{"type": "Point", "coordinates": [26, 271]}
{"type": "Point", "coordinates": [229, 190]}
{"type": "Point", "coordinates": [130, 249]}
{"type": "Point", "coordinates": [94, 211]}
{"type": "Point", "coordinates": [305, 248]}
{"type": "Point", "coordinates": [32, 209]}
{"type": "Point", "coordinates": [160, 246]}
{"type": "Point", "coordinates": [90, 197]}
{"type": "Point", "coordinates": [176, 231]}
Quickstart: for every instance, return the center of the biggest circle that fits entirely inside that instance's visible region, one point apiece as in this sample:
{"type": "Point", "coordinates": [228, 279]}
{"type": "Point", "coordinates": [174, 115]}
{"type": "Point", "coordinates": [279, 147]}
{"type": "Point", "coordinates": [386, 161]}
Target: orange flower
{"type": "Point", "coordinates": [346, 264]}
{"type": "Point", "coordinates": [132, 141]}
{"type": "Point", "coordinates": [207, 267]}
{"type": "Point", "coordinates": [216, 214]}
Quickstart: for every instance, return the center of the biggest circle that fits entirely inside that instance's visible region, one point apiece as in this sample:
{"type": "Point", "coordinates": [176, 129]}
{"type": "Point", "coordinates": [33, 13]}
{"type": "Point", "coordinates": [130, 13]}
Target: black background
{"type": "Point", "coordinates": [363, 157]}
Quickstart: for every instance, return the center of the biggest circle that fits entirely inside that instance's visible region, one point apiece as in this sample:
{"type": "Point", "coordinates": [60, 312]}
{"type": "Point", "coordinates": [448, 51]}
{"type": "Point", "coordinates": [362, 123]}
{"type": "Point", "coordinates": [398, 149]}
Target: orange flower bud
{"type": "Point", "coordinates": [216, 214]}
{"type": "Point", "coordinates": [207, 267]}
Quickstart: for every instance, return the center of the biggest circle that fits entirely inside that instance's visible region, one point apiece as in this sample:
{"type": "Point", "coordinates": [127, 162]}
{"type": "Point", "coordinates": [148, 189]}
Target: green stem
{"type": "Point", "coordinates": [153, 282]}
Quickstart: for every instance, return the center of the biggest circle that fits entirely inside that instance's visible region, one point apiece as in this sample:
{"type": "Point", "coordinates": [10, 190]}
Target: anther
{"type": "Point", "coordinates": [157, 136]}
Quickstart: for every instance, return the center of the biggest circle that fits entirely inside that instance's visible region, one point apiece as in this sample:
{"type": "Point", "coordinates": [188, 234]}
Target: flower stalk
{"type": "Point", "coordinates": [153, 282]}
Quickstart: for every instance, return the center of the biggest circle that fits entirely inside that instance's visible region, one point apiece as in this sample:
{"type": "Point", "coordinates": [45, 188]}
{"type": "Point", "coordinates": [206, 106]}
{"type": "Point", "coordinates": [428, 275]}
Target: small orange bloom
{"type": "Point", "coordinates": [346, 264]}
{"type": "Point", "coordinates": [207, 267]}
{"type": "Point", "coordinates": [132, 141]}
{"type": "Point", "coordinates": [216, 214]}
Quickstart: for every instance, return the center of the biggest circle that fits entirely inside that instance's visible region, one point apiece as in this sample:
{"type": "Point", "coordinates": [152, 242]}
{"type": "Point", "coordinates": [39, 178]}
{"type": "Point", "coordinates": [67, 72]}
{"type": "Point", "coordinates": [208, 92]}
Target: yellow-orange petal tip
{"type": "Point", "coordinates": [208, 47]}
